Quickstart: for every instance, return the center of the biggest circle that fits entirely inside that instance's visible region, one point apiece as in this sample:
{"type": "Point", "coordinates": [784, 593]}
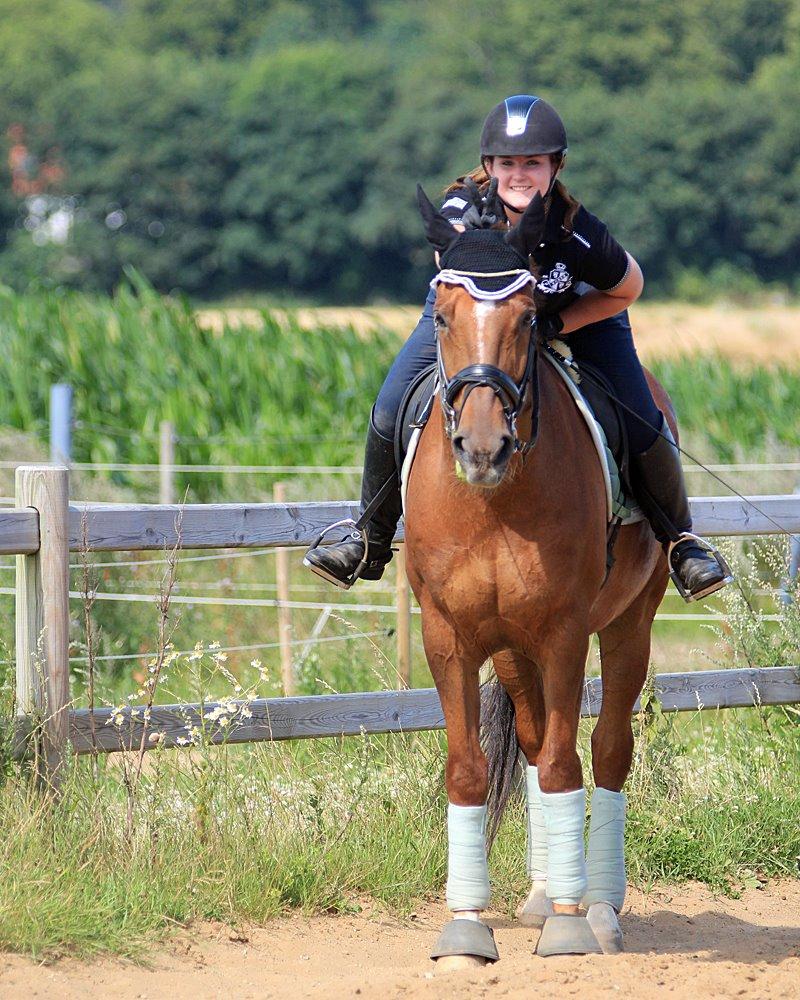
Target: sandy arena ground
{"type": "Point", "coordinates": [681, 943]}
{"type": "Point", "coordinates": [760, 336]}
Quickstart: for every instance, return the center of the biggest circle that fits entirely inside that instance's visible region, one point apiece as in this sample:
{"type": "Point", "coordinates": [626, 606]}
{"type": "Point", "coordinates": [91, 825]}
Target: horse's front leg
{"type": "Point", "coordinates": [465, 940]}
{"type": "Point", "coordinates": [624, 654]}
{"type": "Point", "coordinates": [563, 798]}
{"type": "Point", "coordinates": [522, 681]}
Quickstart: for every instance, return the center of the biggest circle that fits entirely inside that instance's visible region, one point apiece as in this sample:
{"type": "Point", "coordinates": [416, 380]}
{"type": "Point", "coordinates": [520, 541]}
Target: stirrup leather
{"type": "Point", "coordinates": [346, 584]}
{"type": "Point", "coordinates": [714, 587]}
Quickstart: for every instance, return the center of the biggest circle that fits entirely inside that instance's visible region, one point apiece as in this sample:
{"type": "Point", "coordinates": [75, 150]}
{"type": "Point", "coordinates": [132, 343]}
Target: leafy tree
{"type": "Point", "coordinates": [201, 28]}
{"type": "Point", "coordinates": [300, 118]}
{"type": "Point", "coordinates": [43, 42]}
{"type": "Point", "coordinates": [147, 173]}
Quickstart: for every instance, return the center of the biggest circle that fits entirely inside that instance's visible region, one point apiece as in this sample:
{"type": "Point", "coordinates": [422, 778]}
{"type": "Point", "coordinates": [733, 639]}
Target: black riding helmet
{"type": "Point", "coordinates": [523, 125]}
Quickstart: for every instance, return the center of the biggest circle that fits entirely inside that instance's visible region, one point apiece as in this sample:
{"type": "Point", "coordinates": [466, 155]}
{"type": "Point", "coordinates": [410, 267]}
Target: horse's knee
{"type": "Point", "coordinates": [559, 772]}
{"type": "Point", "coordinates": [612, 753]}
{"type": "Point", "coordinates": [531, 746]}
{"type": "Point", "coordinates": [467, 779]}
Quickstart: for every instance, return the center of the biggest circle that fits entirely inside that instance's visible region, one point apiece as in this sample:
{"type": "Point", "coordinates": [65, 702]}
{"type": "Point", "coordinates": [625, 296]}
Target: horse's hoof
{"type": "Point", "coordinates": [458, 963]}
{"type": "Point", "coordinates": [603, 920]}
{"type": "Point", "coordinates": [564, 934]}
{"type": "Point", "coordinates": [465, 939]}
{"type": "Point", "coordinates": [533, 911]}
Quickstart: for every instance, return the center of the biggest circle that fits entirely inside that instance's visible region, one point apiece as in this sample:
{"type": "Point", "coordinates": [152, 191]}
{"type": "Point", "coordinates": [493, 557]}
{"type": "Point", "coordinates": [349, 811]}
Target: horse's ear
{"type": "Point", "coordinates": [528, 232]}
{"type": "Point", "coordinates": [439, 231]}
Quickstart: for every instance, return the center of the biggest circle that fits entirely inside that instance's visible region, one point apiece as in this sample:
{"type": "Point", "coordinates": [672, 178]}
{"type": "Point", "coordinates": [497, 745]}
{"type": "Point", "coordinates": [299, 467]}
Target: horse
{"type": "Point", "coordinates": [506, 545]}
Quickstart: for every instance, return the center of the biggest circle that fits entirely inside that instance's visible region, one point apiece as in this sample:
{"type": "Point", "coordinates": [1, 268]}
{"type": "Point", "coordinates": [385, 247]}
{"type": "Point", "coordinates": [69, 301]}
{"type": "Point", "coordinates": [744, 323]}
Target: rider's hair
{"type": "Point", "coordinates": [481, 178]}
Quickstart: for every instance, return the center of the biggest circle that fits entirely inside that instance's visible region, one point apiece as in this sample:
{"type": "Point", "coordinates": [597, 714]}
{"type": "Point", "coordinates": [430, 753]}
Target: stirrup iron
{"type": "Point", "coordinates": [347, 522]}
{"type": "Point", "coordinates": [703, 544]}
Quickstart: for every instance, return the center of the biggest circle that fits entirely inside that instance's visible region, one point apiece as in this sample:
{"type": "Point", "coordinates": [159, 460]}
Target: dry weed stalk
{"type": "Point", "coordinates": [89, 596]}
{"type": "Point", "coordinates": [132, 772]}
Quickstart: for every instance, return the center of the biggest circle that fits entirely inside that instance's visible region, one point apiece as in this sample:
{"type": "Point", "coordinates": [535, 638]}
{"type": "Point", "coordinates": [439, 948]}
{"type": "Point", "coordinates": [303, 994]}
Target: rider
{"type": "Point", "coordinates": [585, 282]}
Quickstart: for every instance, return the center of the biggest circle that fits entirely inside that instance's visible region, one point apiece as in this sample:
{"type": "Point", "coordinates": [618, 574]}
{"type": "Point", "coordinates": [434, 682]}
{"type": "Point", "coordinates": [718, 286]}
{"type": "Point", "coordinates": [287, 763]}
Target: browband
{"type": "Point", "coordinates": [449, 276]}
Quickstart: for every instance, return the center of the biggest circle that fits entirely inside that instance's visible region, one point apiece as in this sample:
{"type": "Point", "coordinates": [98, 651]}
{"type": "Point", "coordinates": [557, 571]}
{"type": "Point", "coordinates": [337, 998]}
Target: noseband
{"type": "Point", "coordinates": [512, 395]}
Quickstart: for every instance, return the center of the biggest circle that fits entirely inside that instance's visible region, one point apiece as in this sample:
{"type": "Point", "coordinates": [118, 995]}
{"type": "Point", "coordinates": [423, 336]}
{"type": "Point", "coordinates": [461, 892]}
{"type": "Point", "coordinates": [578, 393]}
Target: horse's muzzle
{"type": "Point", "coordinates": [483, 466]}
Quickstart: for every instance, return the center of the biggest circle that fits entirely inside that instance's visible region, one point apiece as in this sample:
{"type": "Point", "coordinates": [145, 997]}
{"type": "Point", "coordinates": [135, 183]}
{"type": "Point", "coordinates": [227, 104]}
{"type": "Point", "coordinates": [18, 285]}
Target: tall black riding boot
{"type": "Point", "coordinates": [343, 562]}
{"type": "Point", "coordinates": [697, 569]}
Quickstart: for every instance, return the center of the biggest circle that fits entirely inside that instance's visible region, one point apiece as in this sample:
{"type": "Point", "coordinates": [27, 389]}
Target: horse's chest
{"type": "Point", "coordinates": [487, 582]}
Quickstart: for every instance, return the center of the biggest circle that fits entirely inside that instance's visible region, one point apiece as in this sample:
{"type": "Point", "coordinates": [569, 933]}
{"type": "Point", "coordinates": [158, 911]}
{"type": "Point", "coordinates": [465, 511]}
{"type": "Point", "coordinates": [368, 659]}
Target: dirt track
{"type": "Point", "coordinates": [682, 943]}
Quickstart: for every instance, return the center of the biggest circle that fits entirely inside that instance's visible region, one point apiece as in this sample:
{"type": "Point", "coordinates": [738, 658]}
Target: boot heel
{"type": "Point", "coordinates": [329, 577]}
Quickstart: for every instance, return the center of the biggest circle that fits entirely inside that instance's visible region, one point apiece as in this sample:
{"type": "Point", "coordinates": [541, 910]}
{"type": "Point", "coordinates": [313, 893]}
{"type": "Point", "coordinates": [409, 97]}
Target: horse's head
{"type": "Point", "coordinates": [483, 317]}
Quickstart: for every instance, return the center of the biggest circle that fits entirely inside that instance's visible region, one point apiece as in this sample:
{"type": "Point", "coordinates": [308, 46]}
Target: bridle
{"type": "Point", "coordinates": [512, 394]}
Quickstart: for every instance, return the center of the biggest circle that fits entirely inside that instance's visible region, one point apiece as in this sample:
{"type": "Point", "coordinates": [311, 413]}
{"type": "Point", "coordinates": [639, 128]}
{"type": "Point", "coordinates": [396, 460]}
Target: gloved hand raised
{"type": "Point", "coordinates": [485, 210]}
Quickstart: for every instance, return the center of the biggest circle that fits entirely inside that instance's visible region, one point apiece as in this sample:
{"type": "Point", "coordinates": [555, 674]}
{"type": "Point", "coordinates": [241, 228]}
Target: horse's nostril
{"type": "Point", "coordinates": [505, 449]}
{"type": "Point", "coordinates": [458, 442]}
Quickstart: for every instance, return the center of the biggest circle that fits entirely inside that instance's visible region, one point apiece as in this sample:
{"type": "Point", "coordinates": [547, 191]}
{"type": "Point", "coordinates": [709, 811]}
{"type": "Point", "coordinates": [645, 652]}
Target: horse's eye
{"type": "Point", "coordinates": [439, 323]}
{"type": "Point", "coordinates": [527, 318]}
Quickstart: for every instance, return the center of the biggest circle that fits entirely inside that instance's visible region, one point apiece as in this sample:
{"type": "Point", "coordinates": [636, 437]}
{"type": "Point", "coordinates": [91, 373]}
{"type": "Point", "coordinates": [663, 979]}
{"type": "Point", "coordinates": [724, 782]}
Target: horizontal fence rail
{"type": "Point", "coordinates": [148, 527]}
{"type": "Point", "coordinates": [408, 711]}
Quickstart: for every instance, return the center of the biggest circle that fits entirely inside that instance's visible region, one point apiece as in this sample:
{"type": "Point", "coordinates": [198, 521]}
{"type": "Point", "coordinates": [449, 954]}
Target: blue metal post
{"type": "Point", "coordinates": [60, 423]}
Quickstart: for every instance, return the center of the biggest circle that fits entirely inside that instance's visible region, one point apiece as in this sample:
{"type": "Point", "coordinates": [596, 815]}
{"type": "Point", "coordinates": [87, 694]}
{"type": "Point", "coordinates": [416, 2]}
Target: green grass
{"type": "Point", "coordinates": [241, 834]}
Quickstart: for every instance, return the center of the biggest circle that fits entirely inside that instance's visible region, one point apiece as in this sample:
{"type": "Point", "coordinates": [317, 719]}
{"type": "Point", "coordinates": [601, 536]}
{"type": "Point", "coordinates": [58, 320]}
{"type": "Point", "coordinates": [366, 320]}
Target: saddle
{"type": "Point", "coordinates": [602, 415]}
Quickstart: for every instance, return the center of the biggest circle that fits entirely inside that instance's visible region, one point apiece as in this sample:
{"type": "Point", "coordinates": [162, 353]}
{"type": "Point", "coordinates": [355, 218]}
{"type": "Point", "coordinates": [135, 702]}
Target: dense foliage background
{"type": "Point", "coordinates": [230, 145]}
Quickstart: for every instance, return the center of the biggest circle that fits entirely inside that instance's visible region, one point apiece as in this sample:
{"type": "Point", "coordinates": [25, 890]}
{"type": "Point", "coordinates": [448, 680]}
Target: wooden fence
{"type": "Point", "coordinates": [44, 528]}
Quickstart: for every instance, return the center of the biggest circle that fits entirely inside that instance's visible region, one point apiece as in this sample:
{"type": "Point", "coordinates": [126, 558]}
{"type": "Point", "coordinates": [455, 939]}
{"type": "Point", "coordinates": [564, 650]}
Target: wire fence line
{"type": "Point", "coordinates": [237, 554]}
{"type": "Point", "coordinates": [340, 607]}
{"type": "Point", "coordinates": [249, 647]}
{"type": "Point", "coordinates": [287, 470]}
{"type": "Point", "coordinates": [328, 470]}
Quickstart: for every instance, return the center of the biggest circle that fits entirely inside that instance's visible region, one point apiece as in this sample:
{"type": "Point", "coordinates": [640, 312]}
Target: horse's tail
{"type": "Point", "coordinates": [499, 740]}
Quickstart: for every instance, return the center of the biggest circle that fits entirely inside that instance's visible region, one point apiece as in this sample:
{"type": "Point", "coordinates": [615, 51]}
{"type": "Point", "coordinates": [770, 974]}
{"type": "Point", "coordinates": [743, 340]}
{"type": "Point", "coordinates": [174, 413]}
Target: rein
{"type": "Point", "coordinates": [512, 395]}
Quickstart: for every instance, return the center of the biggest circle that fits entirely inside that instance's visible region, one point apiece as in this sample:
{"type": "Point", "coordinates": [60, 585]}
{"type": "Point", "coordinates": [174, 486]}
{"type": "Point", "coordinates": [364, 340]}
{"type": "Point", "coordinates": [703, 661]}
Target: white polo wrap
{"type": "Point", "coordinates": [537, 834]}
{"type": "Point", "coordinates": [564, 815]}
{"type": "Point", "coordinates": [467, 871]}
{"type": "Point", "coordinates": [605, 863]}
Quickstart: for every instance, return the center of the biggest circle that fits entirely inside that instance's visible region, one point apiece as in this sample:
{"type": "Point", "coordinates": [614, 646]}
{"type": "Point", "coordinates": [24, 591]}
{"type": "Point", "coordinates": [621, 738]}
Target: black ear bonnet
{"type": "Point", "coordinates": [484, 252]}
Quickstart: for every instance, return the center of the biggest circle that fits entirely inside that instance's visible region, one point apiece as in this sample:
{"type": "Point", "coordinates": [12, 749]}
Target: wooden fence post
{"type": "Point", "coordinates": [42, 625]}
{"type": "Point", "coordinates": [284, 613]}
{"type": "Point", "coordinates": [403, 620]}
{"type": "Point", "coordinates": [166, 459]}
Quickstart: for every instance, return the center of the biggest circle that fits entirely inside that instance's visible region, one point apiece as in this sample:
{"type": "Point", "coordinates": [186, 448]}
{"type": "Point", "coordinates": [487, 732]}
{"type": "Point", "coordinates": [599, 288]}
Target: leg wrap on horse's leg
{"type": "Point", "coordinates": [605, 863]}
{"type": "Point", "coordinates": [564, 815]}
{"type": "Point", "coordinates": [467, 871]}
{"type": "Point", "coordinates": [537, 833]}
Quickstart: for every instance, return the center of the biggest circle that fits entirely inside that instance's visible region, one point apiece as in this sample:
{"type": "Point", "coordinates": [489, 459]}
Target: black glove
{"type": "Point", "coordinates": [549, 327]}
{"type": "Point", "coordinates": [485, 211]}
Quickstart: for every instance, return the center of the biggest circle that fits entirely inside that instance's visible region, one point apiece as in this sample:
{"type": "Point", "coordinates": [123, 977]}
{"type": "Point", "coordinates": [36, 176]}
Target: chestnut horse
{"type": "Point", "coordinates": [506, 554]}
